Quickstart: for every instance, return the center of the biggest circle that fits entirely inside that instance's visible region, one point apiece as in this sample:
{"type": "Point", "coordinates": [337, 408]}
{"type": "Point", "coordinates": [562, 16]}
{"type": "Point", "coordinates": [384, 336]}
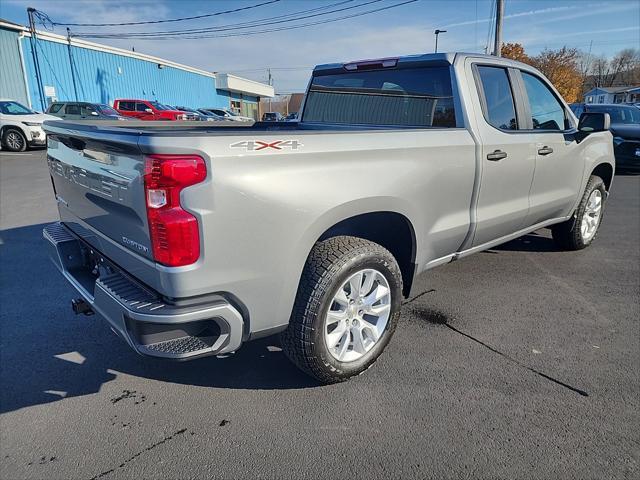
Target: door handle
{"type": "Point", "coordinates": [545, 150]}
{"type": "Point", "coordinates": [496, 155]}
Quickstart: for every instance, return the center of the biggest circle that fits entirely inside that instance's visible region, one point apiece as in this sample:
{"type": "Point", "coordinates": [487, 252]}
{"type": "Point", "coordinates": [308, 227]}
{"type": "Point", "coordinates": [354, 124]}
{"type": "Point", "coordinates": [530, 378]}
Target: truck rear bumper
{"type": "Point", "coordinates": [148, 323]}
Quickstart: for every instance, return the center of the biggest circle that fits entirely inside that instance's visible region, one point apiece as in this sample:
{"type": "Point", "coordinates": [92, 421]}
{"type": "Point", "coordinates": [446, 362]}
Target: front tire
{"type": "Point", "coordinates": [346, 309]}
{"type": "Point", "coordinates": [14, 140]}
{"type": "Point", "coordinates": [580, 232]}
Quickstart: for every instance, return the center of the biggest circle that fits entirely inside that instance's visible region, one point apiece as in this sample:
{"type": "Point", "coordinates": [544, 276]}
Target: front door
{"type": "Point", "coordinates": [507, 158]}
{"type": "Point", "coordinates": [559, 168]}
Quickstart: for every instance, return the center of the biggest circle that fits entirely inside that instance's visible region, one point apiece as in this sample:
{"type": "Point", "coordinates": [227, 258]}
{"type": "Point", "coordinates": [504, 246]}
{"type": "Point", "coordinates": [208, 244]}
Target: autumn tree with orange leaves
{"type": "Point", "coordinates": [559, 66]}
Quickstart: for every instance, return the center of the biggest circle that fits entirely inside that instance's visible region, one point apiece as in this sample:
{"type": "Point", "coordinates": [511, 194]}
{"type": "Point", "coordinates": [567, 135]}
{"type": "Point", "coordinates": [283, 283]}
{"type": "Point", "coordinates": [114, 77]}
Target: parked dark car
{"type": "Point", "coordinates": [83, 111]}
{"type": "Point", "coordinates": [292, 117]}
{"type": "Point", "coordinates": [199, 115]}
{"type": "Point", "coordinates": [272, 117]}
{"type": "Point", "coordinates": [210, 114]}
{"type": "Point", "coordinates": [625, 128]}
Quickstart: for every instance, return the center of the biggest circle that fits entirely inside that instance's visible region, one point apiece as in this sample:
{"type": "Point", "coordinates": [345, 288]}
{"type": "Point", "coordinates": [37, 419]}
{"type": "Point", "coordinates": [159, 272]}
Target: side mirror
{"type": "Point", "coordinates": [95, 114]}
{"type": "Point", "coordinates": [148, 110]}
{"type": "Point", "coordinates": [591, 122]}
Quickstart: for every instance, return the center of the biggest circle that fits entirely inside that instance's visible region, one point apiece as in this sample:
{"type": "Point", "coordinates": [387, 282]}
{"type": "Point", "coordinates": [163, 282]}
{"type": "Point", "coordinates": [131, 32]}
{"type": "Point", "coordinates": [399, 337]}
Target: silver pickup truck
{"type": "Point", "coordinates": [190, 239]}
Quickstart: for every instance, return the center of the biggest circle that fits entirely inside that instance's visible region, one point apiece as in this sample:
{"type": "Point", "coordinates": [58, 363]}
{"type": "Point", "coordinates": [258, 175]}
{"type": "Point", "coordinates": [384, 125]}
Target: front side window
{"type": "Point", "coordinates": [547, 113]}
{"type": "Point", "coordinates": [72, 109]}
{"type": "Point", "coordinates": [409, 97]}
{"type": "Point", "coordinates": [141, 107]}
{"type": "Point", "coordinates": [500, 108]}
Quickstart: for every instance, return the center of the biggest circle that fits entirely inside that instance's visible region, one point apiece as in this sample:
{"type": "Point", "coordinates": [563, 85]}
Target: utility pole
{"type": "Point", "coordinates": [73, 77]}
{"type": "Point", "coordinates": [438, 32]}
{"type": "Point", "coordinates": [270, 84]}
{"type": "Point", "coordinates": [497, 46]}
{"type": "Point", "coordinates": [34, 54]}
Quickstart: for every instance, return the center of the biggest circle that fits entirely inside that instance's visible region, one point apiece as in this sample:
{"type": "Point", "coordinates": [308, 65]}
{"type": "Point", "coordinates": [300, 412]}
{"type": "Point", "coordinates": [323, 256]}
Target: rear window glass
{"type": "Point", "coordinates": [127, 106]}
{"type": "Point", "coordinates": [417, 97]}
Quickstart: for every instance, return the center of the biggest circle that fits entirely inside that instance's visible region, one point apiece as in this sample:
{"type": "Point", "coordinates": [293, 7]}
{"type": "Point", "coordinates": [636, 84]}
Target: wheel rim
{"type": "Point", "coordinates": [591, 216]}
{"type": "Point", "coordinates": [14, 141]}
{"type": "Point", "coordinates": [358, 315]}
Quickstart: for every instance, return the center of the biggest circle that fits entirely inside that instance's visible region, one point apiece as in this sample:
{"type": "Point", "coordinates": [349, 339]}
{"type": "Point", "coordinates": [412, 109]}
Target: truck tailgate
{"type": "Point", "coordinates": [98, 182]}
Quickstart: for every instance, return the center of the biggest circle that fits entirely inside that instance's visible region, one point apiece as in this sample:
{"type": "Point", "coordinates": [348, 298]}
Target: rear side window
{"type": "Point", "coordinates": [547, 113]}
{"type": "Point", "coordinates": [127, 106]}
{"type": "Point", "coordinates": [55, 107]}
{"type": "Point", "coordinates": [499, 107]}
{"type": "Point", "coordinates": [72, 109]}
{"type": "Point", "coordinates": [416, 97]}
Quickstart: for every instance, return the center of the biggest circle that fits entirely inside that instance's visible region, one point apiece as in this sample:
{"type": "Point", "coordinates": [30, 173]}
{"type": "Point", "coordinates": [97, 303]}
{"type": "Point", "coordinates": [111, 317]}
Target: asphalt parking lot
{"type": "Point", "coordinates": [520, 362]}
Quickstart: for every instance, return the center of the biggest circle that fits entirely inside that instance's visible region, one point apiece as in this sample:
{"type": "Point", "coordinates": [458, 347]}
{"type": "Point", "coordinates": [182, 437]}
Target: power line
{"type": "Point", "coordinates": [149, 22]}
{"type": "Point", "coordinates": [257, 32]}
{"type": "Point", "coordinates": [262, 22]}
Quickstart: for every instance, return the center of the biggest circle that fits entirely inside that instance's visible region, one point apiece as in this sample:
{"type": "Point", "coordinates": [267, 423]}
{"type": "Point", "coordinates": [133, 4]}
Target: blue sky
{"type": "Point", "coordinates": [610, 25]}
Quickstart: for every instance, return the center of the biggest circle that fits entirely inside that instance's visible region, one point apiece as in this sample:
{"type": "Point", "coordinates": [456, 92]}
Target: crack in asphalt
{"type": "Point", "coordinates": [513, 360]}
{"type": "Point", "coordinates": [439, 318]}
{"type": "Point", "coordinates": [147, 449]}
{"type": "Point", "coordinates": [413, 299]}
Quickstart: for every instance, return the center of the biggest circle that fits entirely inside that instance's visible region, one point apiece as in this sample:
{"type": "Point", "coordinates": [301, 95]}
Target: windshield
{"type": "Point", "coordinates": [15, 108]}
{"type": "Point", "coordinates": [618, 114]}
{"type": "Point", "coordinates": [107, 110]}
{"type": "Point", "coordinates": [159, 106]}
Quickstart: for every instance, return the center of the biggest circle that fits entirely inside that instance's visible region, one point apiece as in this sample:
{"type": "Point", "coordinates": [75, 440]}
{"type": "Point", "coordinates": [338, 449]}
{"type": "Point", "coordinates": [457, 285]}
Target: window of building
{"type": "Point", "coordinates": [547, 113]}
{"type": "Point", "coordinates": [500, 107]}
{"type": "Point", "coordinates": [236, 106]}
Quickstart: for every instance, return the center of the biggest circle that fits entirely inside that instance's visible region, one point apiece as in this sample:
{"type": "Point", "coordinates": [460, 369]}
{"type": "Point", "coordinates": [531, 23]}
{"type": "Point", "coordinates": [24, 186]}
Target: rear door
{"type": "Point", "coordinates": [508, 155]}
{"type": "Point", "coordinates": [559, 167]}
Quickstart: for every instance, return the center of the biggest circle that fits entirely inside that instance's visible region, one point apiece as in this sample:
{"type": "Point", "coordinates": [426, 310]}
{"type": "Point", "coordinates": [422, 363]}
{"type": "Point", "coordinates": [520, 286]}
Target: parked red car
{"type": "Point", "coordinates": [148, 110]}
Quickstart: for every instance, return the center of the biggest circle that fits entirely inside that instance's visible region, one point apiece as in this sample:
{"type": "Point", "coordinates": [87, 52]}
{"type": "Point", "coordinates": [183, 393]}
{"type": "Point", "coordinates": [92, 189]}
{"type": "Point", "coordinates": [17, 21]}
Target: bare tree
{"type": "Point", "coordinates": [623, 66]}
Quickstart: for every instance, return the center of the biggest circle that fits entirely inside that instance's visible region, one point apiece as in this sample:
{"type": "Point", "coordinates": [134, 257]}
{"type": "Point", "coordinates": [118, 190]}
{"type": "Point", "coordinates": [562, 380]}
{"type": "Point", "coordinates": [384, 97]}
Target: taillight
{"type": "Point", "coordinates": [174, 232]}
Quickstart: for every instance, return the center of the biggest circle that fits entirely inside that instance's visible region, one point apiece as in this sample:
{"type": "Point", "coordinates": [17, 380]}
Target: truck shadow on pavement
{"type": "Point", "coordinates": [48, 353]}
{"type": "Point", "coordinates": [532, 242]}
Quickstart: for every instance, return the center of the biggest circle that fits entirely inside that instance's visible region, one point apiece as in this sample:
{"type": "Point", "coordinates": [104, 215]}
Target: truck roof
{"type": "Point", "coordinates": [431, 59]}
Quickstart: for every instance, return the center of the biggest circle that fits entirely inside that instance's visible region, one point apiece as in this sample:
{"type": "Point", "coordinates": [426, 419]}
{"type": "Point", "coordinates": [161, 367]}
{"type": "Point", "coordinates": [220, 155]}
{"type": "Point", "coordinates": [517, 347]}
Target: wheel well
{"type": "Point", "coordinates": [391, 230]}
{"type": "Point", "coordinates": [605, 172]}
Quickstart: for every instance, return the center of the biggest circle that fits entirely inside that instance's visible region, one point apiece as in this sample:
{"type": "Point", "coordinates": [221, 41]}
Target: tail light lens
{"type": "Point", "coordinates": [174, 232]}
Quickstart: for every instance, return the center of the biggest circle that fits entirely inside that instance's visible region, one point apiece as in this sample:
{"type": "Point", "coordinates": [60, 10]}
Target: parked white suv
{"type": "Point", "coordinates": [21, 127]}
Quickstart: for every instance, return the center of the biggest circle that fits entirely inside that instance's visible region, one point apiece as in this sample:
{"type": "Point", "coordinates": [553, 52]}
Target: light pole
{"type": "Point", "coordinates": [438, 32]}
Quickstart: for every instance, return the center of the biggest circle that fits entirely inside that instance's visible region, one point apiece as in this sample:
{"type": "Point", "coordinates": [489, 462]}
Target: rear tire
{"type": "Point", "coordinates": [14, 140]}
{"type": "Point", "coordinates": [327, 305]}
{"type": "Point", "coordinates": [581, 231]}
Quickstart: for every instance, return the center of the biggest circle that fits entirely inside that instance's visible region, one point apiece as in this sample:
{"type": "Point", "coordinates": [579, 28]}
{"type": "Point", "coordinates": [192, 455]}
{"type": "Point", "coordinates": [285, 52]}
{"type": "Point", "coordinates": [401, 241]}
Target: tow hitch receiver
{"type": "Point", "coordinates": [78, 305]}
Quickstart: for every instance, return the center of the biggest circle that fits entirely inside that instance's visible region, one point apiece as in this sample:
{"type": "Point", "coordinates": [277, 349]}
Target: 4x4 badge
{"type": "Point", "coordinates": [256, 145]}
